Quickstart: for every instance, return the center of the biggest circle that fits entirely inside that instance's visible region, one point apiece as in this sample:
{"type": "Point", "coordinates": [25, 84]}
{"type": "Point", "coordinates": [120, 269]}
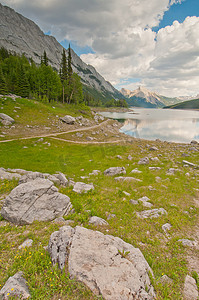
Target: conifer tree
{"type": "Point", "coordinates": [70, 70]}
{"type": "Point", "coordinates": [3, 87]}
{"type": "Point", "coordinates": [44, 59]}
{"type": "Point", "coordinates": [64, 73]}
{"type": "Point", "coordinates": [23, 87]}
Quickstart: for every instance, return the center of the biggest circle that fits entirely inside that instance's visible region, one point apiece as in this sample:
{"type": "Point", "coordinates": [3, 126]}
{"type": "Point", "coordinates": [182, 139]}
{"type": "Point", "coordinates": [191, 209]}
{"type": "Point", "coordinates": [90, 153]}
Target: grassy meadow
{"type": "Point", "coordinates": [175, 193]}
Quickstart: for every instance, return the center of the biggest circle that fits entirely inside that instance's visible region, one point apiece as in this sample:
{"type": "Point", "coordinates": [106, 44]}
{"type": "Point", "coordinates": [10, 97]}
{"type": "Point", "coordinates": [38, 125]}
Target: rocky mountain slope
{"type": "Point", "coordinates": [144, 98]}
{"type": "Point", "coordinates": [21, 35]}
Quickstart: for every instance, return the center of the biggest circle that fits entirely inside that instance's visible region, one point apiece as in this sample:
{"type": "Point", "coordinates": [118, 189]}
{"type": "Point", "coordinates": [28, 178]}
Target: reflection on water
{"type": "Point", "coordinates": [151, 124]}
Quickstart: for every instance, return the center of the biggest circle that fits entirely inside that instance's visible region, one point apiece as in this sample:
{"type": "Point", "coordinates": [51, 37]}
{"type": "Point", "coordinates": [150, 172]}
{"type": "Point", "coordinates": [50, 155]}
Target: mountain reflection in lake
{"type": "Point", "coordinates": [167, 125]}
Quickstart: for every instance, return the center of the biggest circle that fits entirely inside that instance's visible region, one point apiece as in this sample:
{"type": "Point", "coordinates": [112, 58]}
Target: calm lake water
{"type": "Point", "coordinates": [171, 125]}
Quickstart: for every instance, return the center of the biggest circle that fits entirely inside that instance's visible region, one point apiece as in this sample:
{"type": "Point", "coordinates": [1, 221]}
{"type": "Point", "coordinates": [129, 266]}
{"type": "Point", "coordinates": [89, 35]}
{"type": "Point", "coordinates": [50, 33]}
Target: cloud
{"type": "Point", "coordinates": [122, 37]}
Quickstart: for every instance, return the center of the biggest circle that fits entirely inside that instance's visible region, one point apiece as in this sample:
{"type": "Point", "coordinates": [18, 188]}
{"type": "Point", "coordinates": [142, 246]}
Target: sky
{"type": "Point", "coordinates": [130, 42]}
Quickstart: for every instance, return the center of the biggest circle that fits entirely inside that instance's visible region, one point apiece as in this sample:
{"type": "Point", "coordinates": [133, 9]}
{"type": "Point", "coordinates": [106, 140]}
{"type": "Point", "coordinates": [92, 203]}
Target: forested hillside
{"type": "Point", "coordinates": [191, 104]}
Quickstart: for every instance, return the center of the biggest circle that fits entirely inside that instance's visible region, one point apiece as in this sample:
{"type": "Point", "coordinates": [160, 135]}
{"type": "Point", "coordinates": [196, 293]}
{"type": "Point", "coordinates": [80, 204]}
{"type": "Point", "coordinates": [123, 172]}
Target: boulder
{"type": "Point", "coordinates": [15, 286]}
{"type": "Point", "coordinates": [81, 187]}
{"type": "Point", "coordinates": [115, 171]}
{"type": "Point", "coordinates": [106, 264]}
{"type": "Point", "coordinates": [6, 120]}
{"type": "Point", "coordinates": [153, 213]}
{"type": "Point", "coordinates": [68, 119]}
{"type": "Point", "coordinates": [190, 289]}
{"type": "Point", "coordinates": [35, 200]}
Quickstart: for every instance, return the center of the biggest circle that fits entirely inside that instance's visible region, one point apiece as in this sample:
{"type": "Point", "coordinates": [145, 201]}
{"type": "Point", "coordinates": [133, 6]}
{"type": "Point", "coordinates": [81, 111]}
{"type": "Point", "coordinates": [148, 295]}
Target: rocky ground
{"type": "Point", "coordinates": [118, 214]}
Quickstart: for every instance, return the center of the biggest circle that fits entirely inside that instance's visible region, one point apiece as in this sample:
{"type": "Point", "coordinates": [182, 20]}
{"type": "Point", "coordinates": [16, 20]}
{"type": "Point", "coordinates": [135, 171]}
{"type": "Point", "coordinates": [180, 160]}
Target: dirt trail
{"type": "Point", "coordinates": [53, 135]}
{"type": "Point", "coordinates": [87, 142]}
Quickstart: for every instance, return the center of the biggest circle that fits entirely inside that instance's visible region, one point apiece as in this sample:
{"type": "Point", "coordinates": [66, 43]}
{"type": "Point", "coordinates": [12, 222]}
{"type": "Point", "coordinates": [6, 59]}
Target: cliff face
{"type": "Point", "coordinates": [23, 36]}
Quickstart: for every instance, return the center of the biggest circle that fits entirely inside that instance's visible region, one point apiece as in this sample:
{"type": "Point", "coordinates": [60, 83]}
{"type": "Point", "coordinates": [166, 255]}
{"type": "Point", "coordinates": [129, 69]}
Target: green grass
{"type": "Point", "coordinates": [174, 193]}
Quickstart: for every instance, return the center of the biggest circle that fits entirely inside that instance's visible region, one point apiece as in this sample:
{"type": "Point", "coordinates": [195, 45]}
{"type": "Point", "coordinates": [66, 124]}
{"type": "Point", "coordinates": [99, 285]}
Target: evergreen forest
{"type": "Point", "coordinates": [24, 78]}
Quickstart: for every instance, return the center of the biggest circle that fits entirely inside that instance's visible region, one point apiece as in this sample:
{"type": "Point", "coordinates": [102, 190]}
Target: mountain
{"type": "Point", "coordinates": [142, 97]}
{"type": "Point", "coordinates": [22, 36]}
{"type": "Point", "coordinates": [191, 104]}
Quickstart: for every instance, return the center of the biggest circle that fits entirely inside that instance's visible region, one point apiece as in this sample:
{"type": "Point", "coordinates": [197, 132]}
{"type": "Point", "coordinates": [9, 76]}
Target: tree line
{"type": "Point", "coordinates": [23, 77]}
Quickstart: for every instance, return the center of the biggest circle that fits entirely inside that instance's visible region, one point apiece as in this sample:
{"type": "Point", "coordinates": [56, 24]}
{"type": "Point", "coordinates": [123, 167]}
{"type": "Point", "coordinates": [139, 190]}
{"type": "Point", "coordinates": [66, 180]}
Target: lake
{"type": "Point", "coordinates": [180, 126]}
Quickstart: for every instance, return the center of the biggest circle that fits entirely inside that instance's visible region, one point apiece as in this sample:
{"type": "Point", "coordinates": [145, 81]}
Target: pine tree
{"type": "Point", "coordinates": [70, 70]}
{"type": "Point", "coordinates": [64, 73]}
{"type": "Point", "coordinates": [44, 59]}
{"type": "Point", "coordinates": [23, 87]}
{"type": "Point", "coordinates": [3, 87]}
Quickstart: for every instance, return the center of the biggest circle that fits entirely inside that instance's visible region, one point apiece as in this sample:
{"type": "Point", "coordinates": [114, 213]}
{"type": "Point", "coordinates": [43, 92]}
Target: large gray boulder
{"type": "Point", "coordinates": [6, 120]}
{"type": "Point", "coordinates": [115, 171]}
{"type": "Point", "coordinates": [68, 119]}
{"type": "Point", "coordinates": [15, 286]}
{"type": "Point", "coordinates": [106, 264]}
{"type": "Point", "coordinates": [34, 200]}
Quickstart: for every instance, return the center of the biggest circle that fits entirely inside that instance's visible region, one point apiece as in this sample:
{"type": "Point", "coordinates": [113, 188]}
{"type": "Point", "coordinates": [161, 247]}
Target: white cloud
{"type": "Point", "coordinates": [120, 33]}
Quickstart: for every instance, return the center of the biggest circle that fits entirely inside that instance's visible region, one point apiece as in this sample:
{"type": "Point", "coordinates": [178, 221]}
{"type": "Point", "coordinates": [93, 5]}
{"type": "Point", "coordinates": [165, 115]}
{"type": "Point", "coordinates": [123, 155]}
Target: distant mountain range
{"type": "Point", "coordinates": [142, 97]}
{"type": "Point", "coordinates": [22, 36]}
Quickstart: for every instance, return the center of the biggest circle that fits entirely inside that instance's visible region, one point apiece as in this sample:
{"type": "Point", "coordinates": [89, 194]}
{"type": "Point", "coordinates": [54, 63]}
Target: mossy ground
{"type": "Point", "coordinates": [175, 193]}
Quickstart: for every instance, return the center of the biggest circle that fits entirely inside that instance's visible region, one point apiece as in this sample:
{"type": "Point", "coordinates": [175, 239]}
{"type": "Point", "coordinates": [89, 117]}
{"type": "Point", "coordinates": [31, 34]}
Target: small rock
{"type": "Point", "coordinates": [144, 161]}
{"type": "Point", "coordinates": [97, 221]}
{"type": "Point", "coordinates": [153, 148]}
{"type": "Point", "coordinates": [78, 134]}
{"type": "Point", "coordinates": [89, 138]}
{"type": "Point", "coordinates": [187, 242]}
{"type": "Point", "coordinates": [155, 159]}
{"type": "Point", "coordinates": [172, 171]}
{"type": "Point", "coordinates": [190, 288]}
{"type": "Point", "coordinates": [154, 168]}
{"type": "Point", "coordinates": [136, 171]}
{"type": "Point", "coordinates": [62, 178]}
{"type": "Point", "coordinates": [119, 156]}
{"type": "Point", "coordinates": [166, 227]}
{"type": "Point", "coordinates": [95, 172]}
{"type": "Point", "coordinates": [121, 178]}
{"type": "Point", "coordinates": [81, 187]}
{"type": "Point", "coordinates": [6, 120]}
{"type": "Point", "coordinates": [115, 171]}
{"type": "Point", "coordinates": [193, 142]}
{"type": "Point", "coordinates": [68, 119]}
{"type": "Point", "coordinates": [129, 157]}
{"type": "Point", "coordinates": [127, 194]}
{"type": "Point", "coordinates": [153, 213]}
{"type": "Point", "coordinates": [158, 179]}
{"type": "Point", "coordinates": [134, 202]}
{"type": "Point", "coordinates": [26, 243]}
{"type": "Point", "coordinates": [165, 280]}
